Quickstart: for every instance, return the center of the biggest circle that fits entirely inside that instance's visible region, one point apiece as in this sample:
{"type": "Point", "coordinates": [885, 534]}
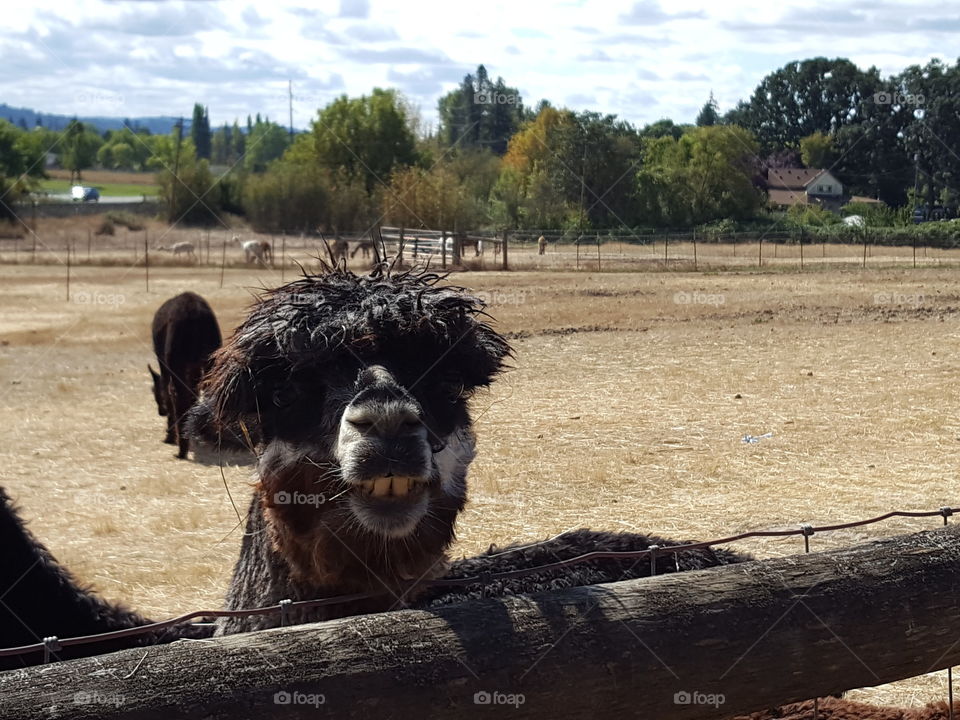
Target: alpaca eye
{"type": "Point", "coordinates": [284, 397]}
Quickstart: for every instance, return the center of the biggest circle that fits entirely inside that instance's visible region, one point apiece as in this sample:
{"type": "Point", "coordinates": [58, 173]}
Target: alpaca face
{"type": "Point", "coordinates": [356, 390]}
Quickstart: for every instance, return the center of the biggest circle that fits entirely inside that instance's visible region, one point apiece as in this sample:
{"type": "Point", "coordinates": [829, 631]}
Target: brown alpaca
{"type": "Point", "coordinates": [355, 389]}
{"type": "Point", "coordinates": [185, 333]}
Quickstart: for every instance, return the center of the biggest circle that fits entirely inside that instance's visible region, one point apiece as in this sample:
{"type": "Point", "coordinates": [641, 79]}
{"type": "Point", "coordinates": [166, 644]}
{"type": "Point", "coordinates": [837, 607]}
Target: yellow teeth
{"type": "Point", "coordinates": [387, 486]}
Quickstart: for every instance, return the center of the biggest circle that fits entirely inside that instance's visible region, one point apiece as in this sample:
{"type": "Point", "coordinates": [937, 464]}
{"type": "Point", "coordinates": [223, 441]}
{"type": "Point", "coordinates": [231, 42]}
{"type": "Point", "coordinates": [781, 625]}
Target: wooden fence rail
{"type": "Point", "coordinates": [688, 646]}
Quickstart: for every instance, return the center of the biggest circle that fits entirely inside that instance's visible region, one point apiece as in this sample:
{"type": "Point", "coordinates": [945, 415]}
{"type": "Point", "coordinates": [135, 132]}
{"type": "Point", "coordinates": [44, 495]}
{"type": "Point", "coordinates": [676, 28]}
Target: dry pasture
{"type": "Point", "coordinates": [625, 410]}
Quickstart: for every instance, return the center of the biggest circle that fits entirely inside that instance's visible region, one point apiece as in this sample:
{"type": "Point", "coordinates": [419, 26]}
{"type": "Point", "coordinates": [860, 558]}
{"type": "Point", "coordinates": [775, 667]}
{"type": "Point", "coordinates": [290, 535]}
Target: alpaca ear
{"type": "Point", "coordinates": [153, 373]}
{"type": "Point", "coordinates": [227, 392]}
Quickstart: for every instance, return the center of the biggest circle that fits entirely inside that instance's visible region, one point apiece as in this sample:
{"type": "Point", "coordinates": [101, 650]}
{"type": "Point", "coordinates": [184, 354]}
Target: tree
{"type": "Point", "coordinates": [21, 163]}
{"type": "Point", "coordinates": [480, 113]}
{"type": "Point", "coordinates": [706, 175]}
{"type": "Point", "coordinates": [200, 131]}
{"type": "Point", "coordinates": [266, 143]}
{"type": "Point", "coordinates": [709, 114]}
{"type": "Point", "coordinates": [367, 136]}
{"type": "Point", "coordinates": [804, 97]}
{"type": "Point", "coordinates": [78, 149]}
{"type": "Point", "coordinates": [816, 150]}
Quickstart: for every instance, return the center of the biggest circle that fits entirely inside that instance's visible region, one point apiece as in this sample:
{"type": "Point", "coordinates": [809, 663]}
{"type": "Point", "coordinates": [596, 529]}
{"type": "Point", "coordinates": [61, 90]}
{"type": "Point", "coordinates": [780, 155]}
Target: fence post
{"type": "Point", "coordinates": [598, 252]}
{"type": "Point", "coordinates": [443, 249]}
{"type": "Point", "coordinates": [760, 252]}
{"type": "Point", "coordinates": [146, 263]}
{"type": "Point", "coordinates": [400, 249]}
{"type": "Point", "coordinates": [694, 250]}
{"type": "Point", "coordinates": [801, 248]}
{"type": "Point", "coordinates": [914, 250]}
{"type": "Point", "coordinates": [283, 254]}
{"type": "Point", "coordinates": [864, 249]}
{"type": "Point", "coordinates": [223, 261]}
{"type": "Point", "coordinates": [506, 234]}
{"type": "Point", "coordinates": [68, 271]}
{"type": "Point", "coordinates": [666, 247]}
{"type": "Point", "coordinates": [577, 242]}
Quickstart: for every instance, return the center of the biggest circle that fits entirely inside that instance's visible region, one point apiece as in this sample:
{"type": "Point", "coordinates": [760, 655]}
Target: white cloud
{"type": "Point", "coordinates": [642, 59]}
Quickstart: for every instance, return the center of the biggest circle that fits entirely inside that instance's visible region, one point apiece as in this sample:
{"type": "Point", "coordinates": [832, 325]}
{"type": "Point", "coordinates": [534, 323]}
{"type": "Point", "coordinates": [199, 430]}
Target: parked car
{"type": "Point", "coordinates": [85, 194]}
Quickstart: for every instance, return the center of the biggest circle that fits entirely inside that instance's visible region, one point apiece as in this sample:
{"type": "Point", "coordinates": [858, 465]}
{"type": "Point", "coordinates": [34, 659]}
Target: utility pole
{"type": "Point", "coordinates": [290, 95]}
{"type": "Point", "coordinates": [916, 182]}
{"type": "Point", "coordinates": [176, 167]}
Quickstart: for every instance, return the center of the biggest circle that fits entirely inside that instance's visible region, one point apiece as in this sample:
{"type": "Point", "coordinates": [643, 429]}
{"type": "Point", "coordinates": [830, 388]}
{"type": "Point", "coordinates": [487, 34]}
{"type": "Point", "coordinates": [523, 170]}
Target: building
{"type": "Point", "coordinates": [809, 186]}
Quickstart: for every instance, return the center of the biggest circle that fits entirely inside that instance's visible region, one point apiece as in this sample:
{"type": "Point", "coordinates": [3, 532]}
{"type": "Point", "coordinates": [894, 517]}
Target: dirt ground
{"type": "Point", "coordinates": [625, 410]}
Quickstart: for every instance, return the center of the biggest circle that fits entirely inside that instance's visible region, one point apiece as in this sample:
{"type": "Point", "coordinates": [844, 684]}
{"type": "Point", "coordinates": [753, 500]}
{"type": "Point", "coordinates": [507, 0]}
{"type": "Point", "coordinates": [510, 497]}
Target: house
{"type": "Point", "coordinates": [809, 186]}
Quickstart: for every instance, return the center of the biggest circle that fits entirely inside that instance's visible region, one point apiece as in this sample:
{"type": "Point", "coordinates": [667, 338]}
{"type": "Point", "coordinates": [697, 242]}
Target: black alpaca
{"type": "Point", "coordinates": [39, 598]}
{"type": "Point", "coordinates": [185, 333]}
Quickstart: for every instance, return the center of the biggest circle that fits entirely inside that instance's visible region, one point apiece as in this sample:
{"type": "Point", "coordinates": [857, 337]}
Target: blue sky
{"type": "Point", "coordinates": [641, 60]}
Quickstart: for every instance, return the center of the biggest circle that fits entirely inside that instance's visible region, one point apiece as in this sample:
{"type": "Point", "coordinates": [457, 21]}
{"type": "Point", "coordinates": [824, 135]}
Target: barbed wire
{"type": "Point", "coordinates": [284, 607]}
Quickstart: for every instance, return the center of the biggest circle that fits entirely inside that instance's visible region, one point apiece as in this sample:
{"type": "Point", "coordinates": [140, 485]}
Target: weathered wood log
{"type": "Point", "coordinates": [705, 644]}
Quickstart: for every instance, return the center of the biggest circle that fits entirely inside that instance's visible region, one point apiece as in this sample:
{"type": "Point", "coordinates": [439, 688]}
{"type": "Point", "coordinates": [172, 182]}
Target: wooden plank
{"type": "Point", "coordinates": [730, 640]}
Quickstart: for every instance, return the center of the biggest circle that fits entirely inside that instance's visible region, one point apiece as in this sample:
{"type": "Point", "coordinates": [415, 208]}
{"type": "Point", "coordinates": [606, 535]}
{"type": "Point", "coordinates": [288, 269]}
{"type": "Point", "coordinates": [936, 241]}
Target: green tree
{"type": "Point", "coordinates": [367, 136]}
{"type": "Point", "coordinates": [266, 143]}
{"type": "Point", "coordinates": [78, 149]}
{"type": "Point", "coordinates": [480, 113]}
{"type": "Point", "coordinates": [816, 150]}
{"type": "Point", "coordinates": [21, 164]}
{"type": "Point", "coordinates": [200, 130]}
{"type": "Point", "coordinates": [704, 176]}
{"type": "Point", "coordinates": [709, 114]}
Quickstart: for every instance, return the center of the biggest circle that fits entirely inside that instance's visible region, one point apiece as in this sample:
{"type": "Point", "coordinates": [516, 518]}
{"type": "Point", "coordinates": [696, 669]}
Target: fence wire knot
{"type": "Point", "coordinates": [285, 611]}
{"type": "Point", "coordinates": [51, 645]}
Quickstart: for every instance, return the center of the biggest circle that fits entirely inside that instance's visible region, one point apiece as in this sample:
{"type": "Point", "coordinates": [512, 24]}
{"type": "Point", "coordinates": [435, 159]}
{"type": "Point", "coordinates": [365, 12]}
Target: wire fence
{"type": "Point", "coordinates": [51, 645]}
{"type": "Point", "coordinates": [559, 250]}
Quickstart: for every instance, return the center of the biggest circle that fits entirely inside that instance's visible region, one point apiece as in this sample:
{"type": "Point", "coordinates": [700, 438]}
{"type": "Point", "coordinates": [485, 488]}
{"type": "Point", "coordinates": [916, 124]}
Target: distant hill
{"type": "Point", "coordinates": [157, 125]}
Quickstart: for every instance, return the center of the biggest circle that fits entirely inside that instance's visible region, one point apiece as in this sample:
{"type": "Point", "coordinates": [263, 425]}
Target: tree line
{"type": "Point", "coordinates": [494, 161]}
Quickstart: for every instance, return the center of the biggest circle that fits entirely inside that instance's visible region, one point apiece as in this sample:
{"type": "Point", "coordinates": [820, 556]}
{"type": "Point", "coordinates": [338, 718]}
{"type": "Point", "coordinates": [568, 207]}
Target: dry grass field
{"type": "Point", "coordinates": [625, 410]}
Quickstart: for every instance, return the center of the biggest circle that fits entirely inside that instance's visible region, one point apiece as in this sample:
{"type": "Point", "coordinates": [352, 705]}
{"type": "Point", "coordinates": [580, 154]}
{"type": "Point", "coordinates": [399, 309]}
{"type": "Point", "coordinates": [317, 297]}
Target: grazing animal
{"type": "Point", "coordinates": [180, 248]}
{"type": "Point", "coordinates": [541, 245]}
{"type": "Point", "coordinates": [40, 598]}
{"type": "Point", "coordinates": [337, 249]}
{"type": "Point", "coordinates": [364, 246]}
{"type": "Point", "coordinates": [255, 250]}
{"type": "Point", "coordinates": [185, 333]}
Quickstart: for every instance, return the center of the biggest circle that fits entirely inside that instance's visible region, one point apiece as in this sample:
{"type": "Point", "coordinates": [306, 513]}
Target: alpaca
{"type": "Point", "coordinates": [180, 248]}
{"type": "Point", "coordinates": [255, 250]}
{"type": "Point", "coordinates": [356, 391]}
{"type": "Point", "coordinates": [185, 333]}
{"type": "Point", "coordinates": [42, 599]}
{"type": "Point", "coordinates": [541, 245]}
{"type": "Point", "coordinates": [337, 249]}
{"type": "Point", "coordinates": [364, 246]}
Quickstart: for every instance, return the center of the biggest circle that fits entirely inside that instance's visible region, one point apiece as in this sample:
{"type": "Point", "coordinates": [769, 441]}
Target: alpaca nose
{"type": "Point", "coordinates": [382, 408]}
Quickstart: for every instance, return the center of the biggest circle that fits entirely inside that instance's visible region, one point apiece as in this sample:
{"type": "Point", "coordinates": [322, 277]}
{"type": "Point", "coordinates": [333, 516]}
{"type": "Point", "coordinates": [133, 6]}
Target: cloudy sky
{"type": "Point", "coordinates": [643, 60]}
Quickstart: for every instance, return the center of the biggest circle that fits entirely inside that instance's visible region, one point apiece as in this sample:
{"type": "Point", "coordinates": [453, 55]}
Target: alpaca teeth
{"type": "Point", "coordinates": [381, 486]}
{"type": "Point", "coordinates": [367, 486]}
{"type": "Point", "coordinates": [401, 486]}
